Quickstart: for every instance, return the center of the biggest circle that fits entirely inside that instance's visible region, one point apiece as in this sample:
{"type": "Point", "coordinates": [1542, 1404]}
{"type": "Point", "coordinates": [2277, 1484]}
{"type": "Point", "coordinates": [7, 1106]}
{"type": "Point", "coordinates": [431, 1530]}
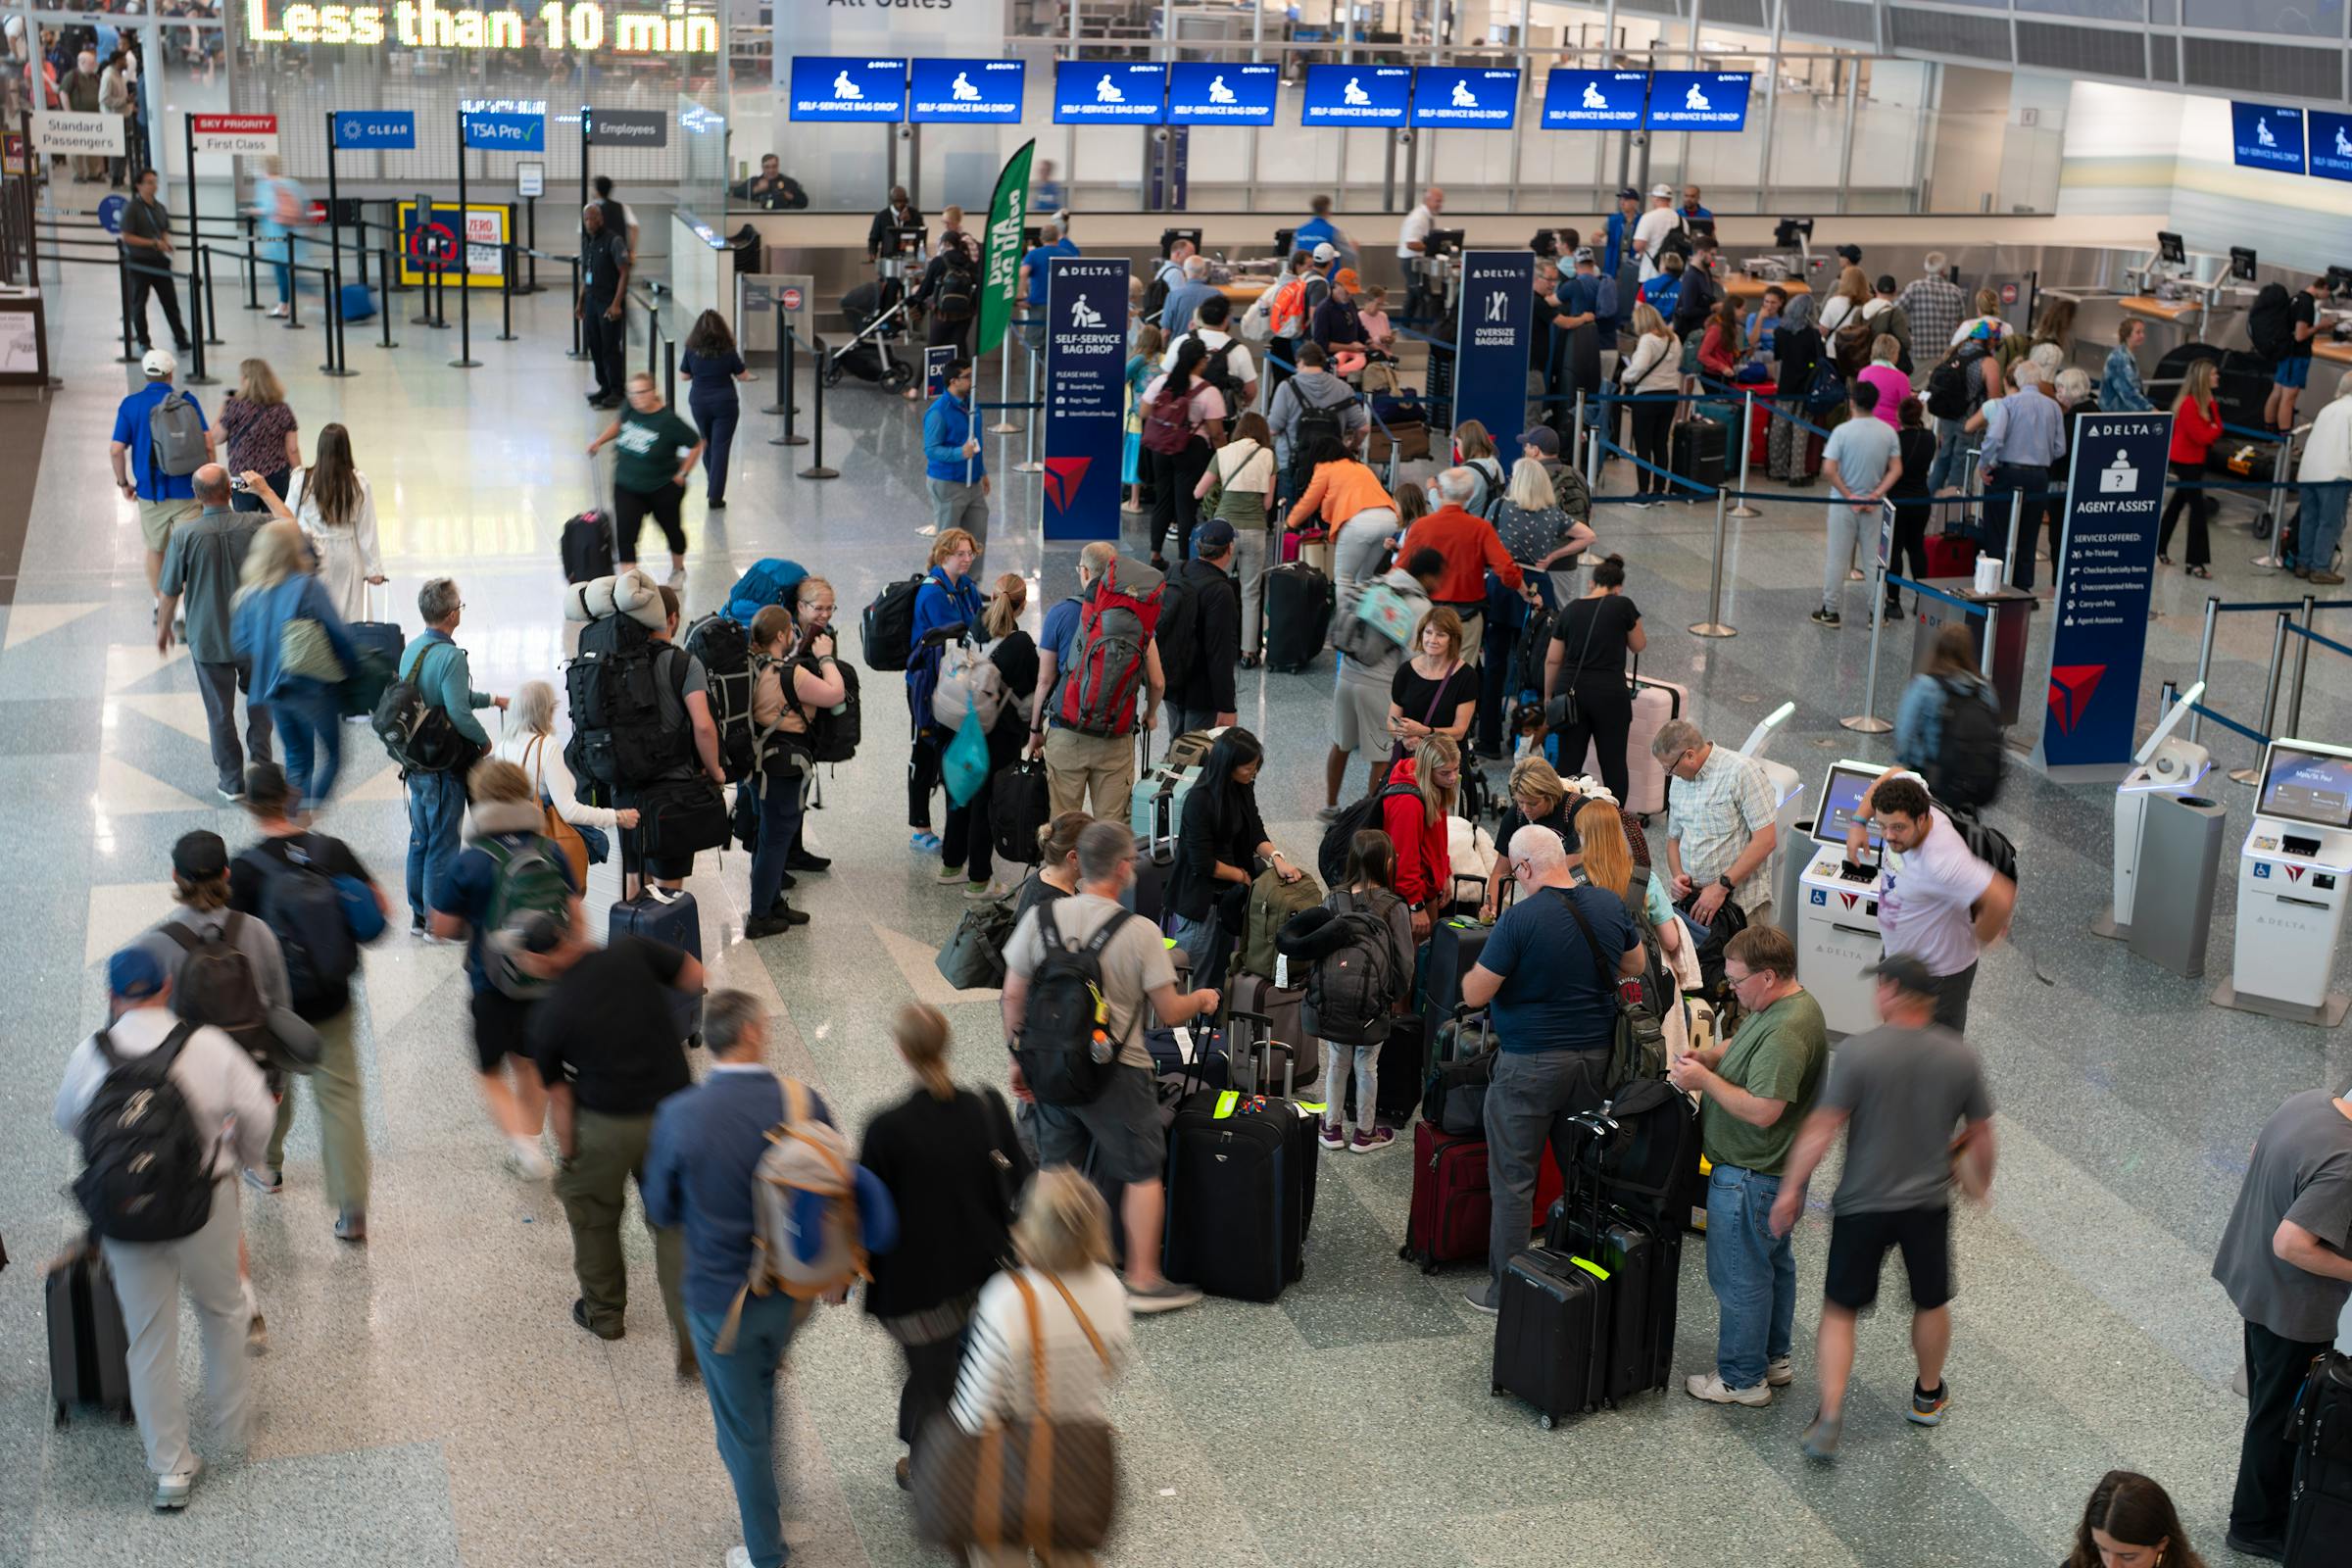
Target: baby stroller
{"type": "Point", "coordinates": [876, 312]}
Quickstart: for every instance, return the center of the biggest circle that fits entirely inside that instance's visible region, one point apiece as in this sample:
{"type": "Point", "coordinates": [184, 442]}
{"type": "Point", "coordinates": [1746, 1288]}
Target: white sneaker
{"type": "Point", "coordinates": [1709, 1385]}
{"type": "Point", "coordinates": [1780, 1374]}
{"type": "Point", "coordinates": [739, 1558]}
{"type": "Point", "coordinates": [278, 311]}
{"type": "Point", "coordinates": [524, 1159]}
{"type": "Point", "coordinates": [171, 1491]}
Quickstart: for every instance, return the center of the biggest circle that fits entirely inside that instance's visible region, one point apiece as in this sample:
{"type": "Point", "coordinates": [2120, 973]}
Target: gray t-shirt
{"type": "Point", "coordinates": [1862, 448]}
{"type": "Point", "coordinates": [2301, 1170]}
{"type": "Point", "coordinates": [1906, 1091]}
{"type": "Point", "coordinates": [202, 564]}
{"type": "Point", "coordinates": [1135, 962]}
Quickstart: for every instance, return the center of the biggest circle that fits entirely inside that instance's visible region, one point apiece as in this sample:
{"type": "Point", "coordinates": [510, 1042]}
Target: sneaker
{"type": "Point", "coordinates": [739, 1558]}
{"type": "Point", "coordinates": [1820, 1435]}
{"type": "Point", "coordinates": [765, 926]}
{"type": "Point", "coordinates": [1165, 1297]}
{"type": "Point", "coordinates": [974, 892]}
{"type": "Point", "coordinates": [923, 840]}
{"type": "Point", "coordinates": [786, 882]}
{"type": "Point", "coordinates": [1329, 814]}
{"type": "Point", "coordinates": [676, 577]}
{"type": "Point", "coordinates": [416, 925]}
{"type": "Point", "coordinates": [1825, 618]}
{"type": "Point", "coordinates": [524, 1159]}
{"type": "Point", "coordinates": [1780, 1374]}
{"type": "Point", "coordinates": [256, 1334]}
{"type": "Point", "coordinates": [783, 911]}
{"type": "Point", "coordinates": [1482, 1296]}
{"type": "Point", "coordinates": [277, 312]}
{"type": "Point", "coordinates": [171, 1491]}
{"type": "Point", "coordinates": [1927, 1410]}
{"type": "Point", "coordinates": [1710, 1387]}
{"type": "Point", "coordinates": [351, 1226]}
{"type": "Point", "coordinates": [802, 861]}
{"type": "Point", "coordinates": [268, 1183]}
{"type": "Point", "coordinates": [579, 1315]}
{"type": "Point", "coordinates": [2245, 1546]}
{"type": "Point", "coordinates": [1331, 1135]}
{"type": "Point", "coordinates": [948, 873]}
{"type": "Point", "coordinates": [1373, 1142]}
{"type": "Point", "coordinates": [2325, 580]}
{"type": "Point", "coordinates": [715, 503]}
{"type": "Point", "coordinates": [230, 796]}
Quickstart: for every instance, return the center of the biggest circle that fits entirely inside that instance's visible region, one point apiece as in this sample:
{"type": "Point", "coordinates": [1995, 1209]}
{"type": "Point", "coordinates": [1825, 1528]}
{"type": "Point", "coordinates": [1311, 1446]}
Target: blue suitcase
{"type": "Point", "coordinates": [661, 916]}
{"type": "Point", "coordinates": [381, 643]}
{"type": "Point", "coordinates": [359, 302]}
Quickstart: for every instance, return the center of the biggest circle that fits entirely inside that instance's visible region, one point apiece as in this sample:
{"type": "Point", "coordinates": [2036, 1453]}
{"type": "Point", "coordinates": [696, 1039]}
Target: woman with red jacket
{"type": "Point", "coordinates": [1417, 824]}
{"type": "Point", "coordinates": [2196, 426]}
{"type": "Point", "coordinates": [1720, 351]}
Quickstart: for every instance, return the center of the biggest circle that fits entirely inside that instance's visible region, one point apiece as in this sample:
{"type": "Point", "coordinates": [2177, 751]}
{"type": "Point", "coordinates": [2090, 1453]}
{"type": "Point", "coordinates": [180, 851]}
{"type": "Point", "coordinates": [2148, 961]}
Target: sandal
{"type": "Point", "coordinates": [2200, 572]}
{"type": "Point", "coordinates": [2163, 560]}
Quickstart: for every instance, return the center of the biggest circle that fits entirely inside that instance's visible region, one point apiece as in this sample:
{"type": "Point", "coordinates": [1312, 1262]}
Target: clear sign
{"type": "Point", "coordinates": [358, 129]}
{"type": "Point", "coordinates": [2331, 149]}
{"type": "Point", "coordinates": [1698, 100]}
{"type": "Point", "coordinates": [255, 135]}
{"type": "Point", "coordinates": [507, 133]}
{"type": "Point", "coordinates": [1357, 95]}
{"type": "Point", "coordinates": [1205, 92]}
{"type": "Point", "coordinates": [1088, 92]}
{"type": "Point", "coordinates": [832, 88]}
{"type": "Point", "coordinates": [976, 93]}
{"type": "Point", "coordinates": [1595, 100]}
{"type": "Point", "coordinates": [1477, 98]}
{"type": "Point", "coordinates": [109, 214]}
{"type": "Point", "coordinates": [2267, 136]}
{"type": "Point", "coordinates": [1086, 404]}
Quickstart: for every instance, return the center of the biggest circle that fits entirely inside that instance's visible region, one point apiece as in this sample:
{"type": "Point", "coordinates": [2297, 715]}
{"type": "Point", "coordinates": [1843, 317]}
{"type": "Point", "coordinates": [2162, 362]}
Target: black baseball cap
{"type": "Point", "coordinates": [1905, 973]}
{"type": "Point", "coordinates": [199, 857]}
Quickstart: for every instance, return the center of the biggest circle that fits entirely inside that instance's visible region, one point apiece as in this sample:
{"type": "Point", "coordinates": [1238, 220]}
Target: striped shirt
{"type": "Point", "coordinates": [1715, 814]}
{"type": "Point", "coordinates": [1934, 306]}
{"type": "Point", "coordinates": [998, 1380]}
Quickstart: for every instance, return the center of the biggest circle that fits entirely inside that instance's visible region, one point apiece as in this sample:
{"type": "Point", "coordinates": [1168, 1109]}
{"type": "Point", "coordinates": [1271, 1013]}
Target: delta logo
{"type": "Point", "coordinates": [1850, 899]}
{"type": "Point", "coordinates": [2070, 689]}
{"type": "Point", "coordinates": [1063, 477]}
{"type": "Point", "coordinates": [2294, 874]}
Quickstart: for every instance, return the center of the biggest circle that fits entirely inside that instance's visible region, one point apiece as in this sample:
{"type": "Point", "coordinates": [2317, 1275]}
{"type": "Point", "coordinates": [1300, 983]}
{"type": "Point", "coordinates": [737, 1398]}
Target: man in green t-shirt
{"type": "Point", "coordinates": [1755, 1092]}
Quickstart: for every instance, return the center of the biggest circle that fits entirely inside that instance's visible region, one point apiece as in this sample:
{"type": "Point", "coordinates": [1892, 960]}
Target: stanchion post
{"type": "Point", "coordinates": [1748, 451]}
{"type": "Point", "coordinates": [1006, 423]}
{"type": "Point", "coordinates": [2017, 518]}
{"type": "Point", "coordinates": [578, 351]}
{"type": "Point", "coordinates": [383, 306]}
{"type": "Point", "coordinates": [1867, 722]}
{"type": "Point", "coordinates": [1029, 463]}
{"type": "Point", "coordinates": [2270, 697]}
{"type": "Point", "coordinates": [253, 272]}
{"type": "Point", "coordinates": [1575, 430]}
{"type": "Point", "coordinates": [787, 345]}
{"type": "Point", "coordinates": [211, 336]}
{"type": "Point", "coordinates": [816, 469]}
{"type": "Point", "coordinates": [669, 373]}
{"type": "Point", "coordinates": [1713, 625]}
{"type": "Point", "coordinates": [505, 293]}
{"type": "Point", "coordinates": [2212, 615]}
{"type": "Point", "coordinates": [1593, 445]}
{"type": "Point", "coordinates": [199, 326]}
{"type": "Point", "coordinates": [293, 290]}
{"type": "Point", "coordinates": [338, 353]}
{"type": "Point", "coordinates": [131, 356]}
{"type": "Point", "coordinates": [2294, 704]}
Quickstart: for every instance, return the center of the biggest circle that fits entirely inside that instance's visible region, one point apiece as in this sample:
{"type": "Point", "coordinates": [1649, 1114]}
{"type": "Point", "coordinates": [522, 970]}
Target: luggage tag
{"type": "Point", "coordinates": [1591, 1268]}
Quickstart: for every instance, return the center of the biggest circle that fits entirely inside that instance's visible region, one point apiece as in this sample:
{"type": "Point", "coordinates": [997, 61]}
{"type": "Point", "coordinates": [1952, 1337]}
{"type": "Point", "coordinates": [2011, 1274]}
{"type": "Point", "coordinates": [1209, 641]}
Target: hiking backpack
{"type": "Point", "coordinates": [175, 436]}
{"type": "Point", "coordinates": [417, 734]}
{"type": "Point", "coordinates": [622, 734]}
{"type": "Point", "coordinates": [1168, 421]}
{"type": "Point", "coordinates": [1316, 423]}
{"type": "Point", "coordinates": [834, 732]}
{"type": "Point", "coordinates": [969, 682]}
{"type": "Point", "coordinates": [804, 1228]}
{"type": "Point", "coordinates": [772, 581]}
{"type": "Point", "coordinates": [1489, 473]}
{"type": "Point", "coordinates": [887, 628]}
{"type": "Point", "coordinates": [215, 984]}
{"type": "Point", "coordinates": [1331, 859]}
{"type": "Point", "coordinates": [304, 909]}
{"type": "Point", "coordinates": [1099, 691]}
{"type": "Point", "coordinates": [725, 650]}
{"type": "Point", "coordinates": [1571, 493]}
{"type": "Point", "coordinates": [2271, 321]}
{"type": "Point", "coordinates": [1352, 989]}
{"type": "Point", "coordinates": [1064, 1047]}
{"type": "Point", "coordinates": [1379, 626]}
{"type": "Point", "coordinates": [145, 1165]}
{"type": "Point", "coordinates": [1272, 902]}
{"type": "Point", "coordinates": [526, 882]}
{"type": "Point", "coordinates": [1966, 770]}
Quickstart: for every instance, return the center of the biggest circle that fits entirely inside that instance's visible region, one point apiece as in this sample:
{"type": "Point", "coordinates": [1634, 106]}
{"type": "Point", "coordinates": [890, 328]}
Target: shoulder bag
{"type": "Point", "coordinates": [1636, 1044]}
{"type": "Point", "coordinates": [562, 834]}
{"type": "Point", "coordinates": [1560, 710]}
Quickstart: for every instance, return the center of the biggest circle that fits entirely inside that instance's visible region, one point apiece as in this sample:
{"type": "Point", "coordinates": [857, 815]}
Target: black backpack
{"type": "Point", "coordinates": [419, 735]}
{"type": "Point", "coordinates": [1067, 1020]}
{"type": "Point", "coordinates": [1966, 769]}
{"type": "Point", "coordinates": [1155, 295]}
{"type": "Point", "coordinates": [833, 733]}
{"type": "Point", "coordinates": [725, 650]}
{"type": "Point", "coordinates": [956, 295]}
{"type": "Point", "coordinates": [1314, 427]}
{"type": "Point", "coordinates": [1985, 841]}
{"type": "Point", "coordinates": [887, 628]}
{"type": "Point", "coordinates": [1352, 987]}
{"type": "Point", "coordinates": [622, 734]}
{"type": "Point", "coordinates": [1332, 858]}
{"type": "Point", "coordinates": [215, 984]}
{"type": "Point", "coordinates": [305, 913]}
{"type": "Point", "coordinates": [145, 1173]}
{"type": "Point", "coordinates": [1678, 242]}
{"type": "Point", "coordinates": [1948, 386]}
{"type": "Point", "coordinates": [1218, 371]}
{"type": "Point", "coordinates": [2271, 321]}
{"type": "Point", "coordinates": [1178, 634]}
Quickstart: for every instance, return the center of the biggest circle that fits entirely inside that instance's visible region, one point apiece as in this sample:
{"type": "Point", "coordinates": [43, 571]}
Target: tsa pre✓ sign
{"type": "Point", "coordinates": [1086, 391]}
{"type": "Point", "coordinates": [2106, 570]}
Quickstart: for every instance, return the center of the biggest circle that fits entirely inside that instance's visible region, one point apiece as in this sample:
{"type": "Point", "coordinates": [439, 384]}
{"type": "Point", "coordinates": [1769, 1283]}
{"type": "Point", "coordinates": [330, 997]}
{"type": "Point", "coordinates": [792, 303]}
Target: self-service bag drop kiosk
{"type": "Point", "coordinates": [2291, 889]}
{"type": "Point", "coordinates": [1836, 925]}
{"type": "Point", "coordinates": [2167, 764]}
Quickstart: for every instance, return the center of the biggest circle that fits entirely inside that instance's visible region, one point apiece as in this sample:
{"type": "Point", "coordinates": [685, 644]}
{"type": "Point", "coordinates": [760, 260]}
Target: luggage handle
{"type": "Point", "coordinates": [1261, 1049]}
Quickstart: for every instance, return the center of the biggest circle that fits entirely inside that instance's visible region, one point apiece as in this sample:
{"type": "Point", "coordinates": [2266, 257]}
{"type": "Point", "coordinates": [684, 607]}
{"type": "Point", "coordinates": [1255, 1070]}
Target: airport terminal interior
{"type": "Point", "coordinates": [426, 1398]}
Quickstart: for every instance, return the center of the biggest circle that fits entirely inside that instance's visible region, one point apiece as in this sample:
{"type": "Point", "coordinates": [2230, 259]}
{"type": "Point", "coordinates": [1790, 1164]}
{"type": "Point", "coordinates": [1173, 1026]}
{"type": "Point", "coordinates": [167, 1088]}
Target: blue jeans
{"type": "Point", "coordinates": [1207, 942]}
{"type": "Point", "coordinates": [310, 727]}
{"type": "Point", "coordinates": [1752, 1273]}
{"type": "Point", "coordinates": [715, 418]}
{"type": "Point", "coordinates": [2322, 524]}
{"type": "Point", "coordinates": [742, 1386]}
{"type": "Point", "coordinates": [436, 820]}
{"type": "Point", "coordinates": [1951, 450]}
{"type": "Point", "coordinates": [779, 830]}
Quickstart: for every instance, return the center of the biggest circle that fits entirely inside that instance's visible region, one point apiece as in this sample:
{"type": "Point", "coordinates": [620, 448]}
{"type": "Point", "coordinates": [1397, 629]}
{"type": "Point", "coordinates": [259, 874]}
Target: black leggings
{"type": "Point", "coordinates": [1172, 481]}
{"type": "Point", "coordinates": [923, 775]}
{"type": "Point", "coordinates": [1652, 424]}
{"type": "Point", "coordinates": [2200, 548]}
{"type": "Point", "coordinates": [1909, 557]}
{"type": "Point", "coordinates": [629, 508]}
{"type": "Point", "coordinates": [1605, 718]}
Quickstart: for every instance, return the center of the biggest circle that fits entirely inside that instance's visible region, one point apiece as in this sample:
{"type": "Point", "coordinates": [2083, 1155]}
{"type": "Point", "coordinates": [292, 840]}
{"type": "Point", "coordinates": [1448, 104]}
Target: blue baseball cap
{"type": "Point", "coordinates": [1212, 536]}
{"type": "Point", "coordinates": [135, 974]}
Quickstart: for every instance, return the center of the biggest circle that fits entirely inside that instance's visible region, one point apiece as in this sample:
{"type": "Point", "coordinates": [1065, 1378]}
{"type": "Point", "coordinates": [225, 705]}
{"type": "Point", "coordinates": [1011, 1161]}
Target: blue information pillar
{"type": "Point", "coordinates": [2105, 572]}
{"type": "Point", "coordinates": [1085, 389]}
{"type": "Point", "coordinates": [1496, 311]}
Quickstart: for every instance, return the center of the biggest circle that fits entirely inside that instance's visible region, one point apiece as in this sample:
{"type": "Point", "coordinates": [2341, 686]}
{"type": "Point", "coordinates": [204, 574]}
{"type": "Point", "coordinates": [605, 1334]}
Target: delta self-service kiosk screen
{"type": "Point", "coordinates": [2314, 787]}
{"type": "Point", "coordinates": [1840, 794]}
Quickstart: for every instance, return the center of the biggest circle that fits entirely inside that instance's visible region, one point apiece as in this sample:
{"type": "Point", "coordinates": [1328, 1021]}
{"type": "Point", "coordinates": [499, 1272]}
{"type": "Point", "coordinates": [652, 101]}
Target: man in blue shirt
{"type": "Point", "coordinates": [1621, 229]}
{"type": "Point", "coordinates": [1690, 207]}
{"type": "Point", "coordinates": [1550, 970]}
{"type": "Point", "coordinates": [437, 800]}
{"type": "Point", "coordinates": [700, 1173]}
{"type": "Point", "coordinates": [1051, 242]}
{"type": "Point", "coordinates": [953, 468]}
{"type": "Point", "coordinates": [1050, 195]}
{"type": "Point", "coordinates": [1187, 297]}
{"type": "Point", "coordinates": [2024, 433]}
{"type": "Point", "coordinates": [164, 498]}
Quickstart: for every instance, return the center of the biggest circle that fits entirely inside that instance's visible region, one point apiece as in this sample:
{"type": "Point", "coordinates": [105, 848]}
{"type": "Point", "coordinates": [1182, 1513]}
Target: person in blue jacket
{"type": "Point", "coordinates": [701, 1169]}
{"type": "Point", "coordinates": [947, 602]}
{"type": "Point", "coordinates": [954, 468]}
{"type": "Point", "coordinates": [278, 589]}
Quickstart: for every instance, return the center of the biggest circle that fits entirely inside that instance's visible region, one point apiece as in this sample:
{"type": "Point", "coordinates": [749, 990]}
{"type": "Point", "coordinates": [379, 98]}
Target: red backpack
{"type": "Point", "coordinates": [1115, 623]}
{"type": "Point", "coordinates": [1168, 421]}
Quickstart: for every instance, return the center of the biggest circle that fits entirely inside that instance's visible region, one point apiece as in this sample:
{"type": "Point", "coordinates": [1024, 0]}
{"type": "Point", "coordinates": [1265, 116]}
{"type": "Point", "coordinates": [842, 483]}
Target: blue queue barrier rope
{"type": "Point", "coordinates": [2230, 723]}
{"type": "Point", "coordinates": [1894, 580]}
{"type": "Point", "coordinates": [1700, 491]}
{"type": "Point", "coordinates": [2324, 642]}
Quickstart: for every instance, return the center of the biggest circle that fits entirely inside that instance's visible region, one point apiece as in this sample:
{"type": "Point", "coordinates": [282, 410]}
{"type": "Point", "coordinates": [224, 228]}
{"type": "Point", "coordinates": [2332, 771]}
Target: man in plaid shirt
{"type": "Point", "coordinates": [1720, 830]}
{"type": "Point", "coordinates": [1933, 304]}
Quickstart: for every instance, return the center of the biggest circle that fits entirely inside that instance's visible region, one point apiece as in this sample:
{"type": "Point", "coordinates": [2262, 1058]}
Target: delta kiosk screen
{"type": "Point", "coordinates": [831, 87]}
{"type": "Point", "coordinates": [1472, 98]}
{"type": "Point", "coordinates": [1840, 795]}
{"type": "Point", "coordinates": [2267, 136]}
{"type": "Point", "coordinates": [1204, 92]}
{"type": "Point", "coordinates": [977, 92]}
{"type": "Point", "coordinates": [1355, 95]}
{"type": "Point", "coordinates": [2314, 787]}
{"type": "Point", "coordinates": [1595, 100]}
{"type": "Point", "coordinates": [1096, 92]}
{"type": "Point", "coordinates": [1698, 100]}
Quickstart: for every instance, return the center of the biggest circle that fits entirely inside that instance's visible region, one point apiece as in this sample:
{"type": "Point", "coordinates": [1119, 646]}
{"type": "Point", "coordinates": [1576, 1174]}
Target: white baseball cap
{"type": "Point", "coordinates": [160, 364]}
{"type": "Point", "coordinates": [1327, 252]}
{"type": "Point", "coordinates": [1666, 191]}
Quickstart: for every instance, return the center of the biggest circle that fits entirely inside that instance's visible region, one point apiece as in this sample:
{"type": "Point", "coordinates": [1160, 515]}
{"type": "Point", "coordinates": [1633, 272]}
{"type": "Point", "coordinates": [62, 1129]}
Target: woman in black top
{"type": "Point", "coordinates": [713, 368]}
{"type": "Point", "coordinates": [1915, 447]}
{"type": "Point", "coordinates": [1221, 838]}
{"type": "Point", "coordinates": [1434, 693]}
{"type": "Point", "coordinates": [1587, 661]}
{"type": "Point", "coordinates": [952, 1164]}
{"type": "Point", "coordinates": [1796, 353]}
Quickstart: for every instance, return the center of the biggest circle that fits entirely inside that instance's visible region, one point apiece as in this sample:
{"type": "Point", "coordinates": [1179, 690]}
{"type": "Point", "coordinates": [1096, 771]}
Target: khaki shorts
{"type": "Point", "coordinates": [156, 520]}
{"type": "Point", "coordinates": [1359, 717]}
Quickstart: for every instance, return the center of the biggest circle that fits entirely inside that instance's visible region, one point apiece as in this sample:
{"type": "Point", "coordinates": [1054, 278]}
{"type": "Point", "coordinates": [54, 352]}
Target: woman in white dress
{"type": "Point", "coordinates": [337, 508]}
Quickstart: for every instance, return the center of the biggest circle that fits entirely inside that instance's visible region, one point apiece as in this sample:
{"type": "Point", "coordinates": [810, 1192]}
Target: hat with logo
{"type": "Point", "coordinates": [1627, 193]}
{"type": "Point", "coordinates": [1584, 255]}
{"type": "Point", "coordinates": [1661, 193]}
{"type": "Point", "coordinates": [1347, 279]}
{"type": "Point", "coordinates": [160, 364]}
{"type": "Point", "coordinates": [1326, 252]}
{"type": "Point", "coordinates": [1904, 973]}
{"type": "Point", "coordinates": [1212, 536]}
{"type": "Point", "coordinates": [135, 974]}
{"type": "Point", "coordinates": [1543, 438]}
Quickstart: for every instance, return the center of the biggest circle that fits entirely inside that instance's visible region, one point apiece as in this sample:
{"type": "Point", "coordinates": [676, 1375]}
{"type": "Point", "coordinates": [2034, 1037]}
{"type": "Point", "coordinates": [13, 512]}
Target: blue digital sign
{"type": "Point", "coordinates": [356, 128]}
{"type": "Point", "coordinates": [1477, 98]}
{"type": "Point", "coordinates": [1357, 95]}
{"type": "Point", "coordinates": [2330, 144]}
{"type": "Point", "coordinates": [1595, 100]}
{"type": "Point", "coordinates": [980, 92]}
{"type": "Point", "coordinates": [1203, 92]}
{"type": "Point", "coordinates": [837, 88]}
{"type": "Point", "coordinates": [507, 133]}
{"type": "Point", "coordinates": [1698, 100]}
{"type": "Point", "coordinates": [2268, 136]}
{"type": "Point", "coordinates": [1094, 92]}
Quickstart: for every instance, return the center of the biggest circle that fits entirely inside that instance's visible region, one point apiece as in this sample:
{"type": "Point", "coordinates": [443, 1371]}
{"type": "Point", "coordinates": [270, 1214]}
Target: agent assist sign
{"type": "Point", "coordinates": [584, 25]}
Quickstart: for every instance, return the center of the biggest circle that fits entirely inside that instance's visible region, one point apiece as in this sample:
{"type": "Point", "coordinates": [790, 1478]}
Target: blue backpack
{"type": "Point", "coordinates": [773, 581]}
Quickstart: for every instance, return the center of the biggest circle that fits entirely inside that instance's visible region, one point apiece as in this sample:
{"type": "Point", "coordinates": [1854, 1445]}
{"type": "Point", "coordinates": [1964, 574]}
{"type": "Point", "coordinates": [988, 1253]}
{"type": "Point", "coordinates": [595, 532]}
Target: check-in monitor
{"type": "Point", "coordinates": [2306, 784]}
{"type": "Point", "coordinates": [2171, 249]}
{"type": "Point", "coordinates": [1170, 237]}
{"type": "Point", "coordinates": [1842, 792]}
{"type": "Point", "coordinates": [2241, 264]}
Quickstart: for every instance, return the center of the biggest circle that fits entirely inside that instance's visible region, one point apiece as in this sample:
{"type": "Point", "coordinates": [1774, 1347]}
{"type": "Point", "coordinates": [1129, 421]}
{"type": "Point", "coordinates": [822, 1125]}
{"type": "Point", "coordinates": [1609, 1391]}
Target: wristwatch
{"type": "Point", "coordinates": [1724, 882]}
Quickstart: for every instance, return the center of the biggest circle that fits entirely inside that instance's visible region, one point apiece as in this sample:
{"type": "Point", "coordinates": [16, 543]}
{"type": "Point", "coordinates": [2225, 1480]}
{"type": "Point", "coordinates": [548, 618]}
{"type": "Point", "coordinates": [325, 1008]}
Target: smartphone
{"type": "Point", "coordinates": [236, 482]}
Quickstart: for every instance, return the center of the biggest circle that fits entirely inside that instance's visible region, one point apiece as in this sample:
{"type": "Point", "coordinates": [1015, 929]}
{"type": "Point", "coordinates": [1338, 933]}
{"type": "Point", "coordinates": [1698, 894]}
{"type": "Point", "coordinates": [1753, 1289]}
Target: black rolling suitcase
{"type": "Point", "coordinates": [659, 916]}
{"type": "Point", "coordinates": [1639, 1298]}
{"type": "Point", "coordinates": [1240, 1193]}
{"type": "Point", "coordinates": [1454, 945]}
{"type": "Point", "coordinates": [1647, 1162]}
{"type": "Point", "coordinates": [1297, 602]}
{"type": "Point", "coordinates": [1696, 453]}
{"type": "Point", "coordinates": [1545, 1332]}
{"type": "Point", "coordinates": [2321, 1509]}
{"type": "Point", "coordinates": [90, 1347]}
{"type": "Point", "coordinates": [381, 643]}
